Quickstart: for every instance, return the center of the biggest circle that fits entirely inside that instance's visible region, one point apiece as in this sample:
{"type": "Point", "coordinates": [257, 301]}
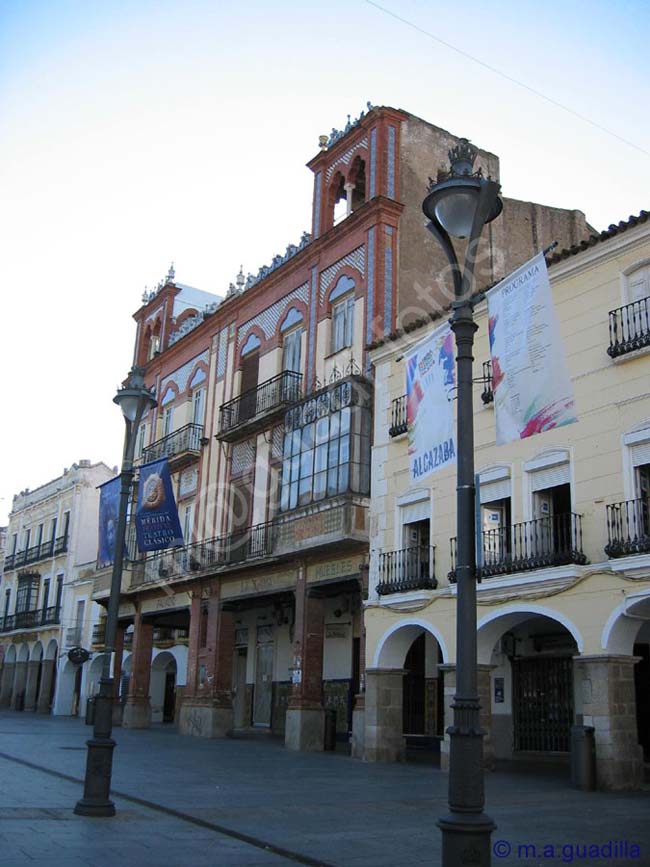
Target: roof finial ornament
{"type": "Point", "coordinates": [171, 274]}
{"type": "Point", "coordinates": [322, 142]}
{"type": "Point", "coordinates": [240, 279]}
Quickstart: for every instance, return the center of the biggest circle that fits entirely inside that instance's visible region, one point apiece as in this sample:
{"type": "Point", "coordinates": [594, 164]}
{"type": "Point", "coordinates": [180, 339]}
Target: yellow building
{"type": "Point", "coordinates": [564, 601]}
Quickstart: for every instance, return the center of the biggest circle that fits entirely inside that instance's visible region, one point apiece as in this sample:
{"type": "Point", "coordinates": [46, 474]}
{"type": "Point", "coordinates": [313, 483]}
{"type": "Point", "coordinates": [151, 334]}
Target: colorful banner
{"type": "Point", "coordinates": [109, 507]}
{"type": "Point", "coordinates": [430, 381]}
{"type": "Point", "coordinates": [530, 379]}
{"type": "Point", "coordinates": [156, 516]}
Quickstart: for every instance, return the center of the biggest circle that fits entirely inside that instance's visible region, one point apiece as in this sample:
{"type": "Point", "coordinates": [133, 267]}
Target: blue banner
{"type": "Point", "coordinates": [109, 507]}
{"type": "Point", "coordinates": [156, 517]}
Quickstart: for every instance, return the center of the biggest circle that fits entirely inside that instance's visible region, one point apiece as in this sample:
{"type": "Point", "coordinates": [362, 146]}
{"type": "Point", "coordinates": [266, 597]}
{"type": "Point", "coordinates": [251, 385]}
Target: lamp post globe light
{"type": "Point", "coordinates": [459, 205]}
{"type": "Point", "coordinates": [134, 399]}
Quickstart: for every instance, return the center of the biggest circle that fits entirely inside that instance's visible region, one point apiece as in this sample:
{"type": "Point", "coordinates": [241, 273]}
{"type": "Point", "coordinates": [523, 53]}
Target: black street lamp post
{"type": "Point", "coordinates": [134, 399]}
{"type": "Point", "coordinates": [459, 205]}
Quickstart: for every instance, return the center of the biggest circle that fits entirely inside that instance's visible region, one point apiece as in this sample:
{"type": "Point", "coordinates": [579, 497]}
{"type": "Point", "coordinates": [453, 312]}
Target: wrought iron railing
{"type": "Point", "coordinates": [408, 569]}
{"type": "Point", "coordinates": [30, 619]}
{"type": "Point", "coordinates": [628, 528]}
{"type": "Point", "coordinates": [274, 394]}
{"type": "Point", "coordinates": [185, 439]}
{"type": "Point", "coordinates": [237, 547]}
{"type": "Point", "coordinates": [37, 552]}
{"type": "Point", "coordinates": [629, 328]}
{"type": "Point", "coordinates": [398, 423]}
{"type": "Point", "coordinates": [544, 542]}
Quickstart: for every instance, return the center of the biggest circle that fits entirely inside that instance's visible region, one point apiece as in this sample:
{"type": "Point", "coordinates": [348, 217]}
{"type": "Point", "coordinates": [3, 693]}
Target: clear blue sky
{"type": "Point", "coordinates": [133, 133]}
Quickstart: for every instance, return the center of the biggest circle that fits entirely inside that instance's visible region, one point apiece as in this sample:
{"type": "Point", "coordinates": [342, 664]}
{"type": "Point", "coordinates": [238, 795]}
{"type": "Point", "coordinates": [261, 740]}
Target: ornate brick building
{"type": "Point", "coordinates": [265, 402]}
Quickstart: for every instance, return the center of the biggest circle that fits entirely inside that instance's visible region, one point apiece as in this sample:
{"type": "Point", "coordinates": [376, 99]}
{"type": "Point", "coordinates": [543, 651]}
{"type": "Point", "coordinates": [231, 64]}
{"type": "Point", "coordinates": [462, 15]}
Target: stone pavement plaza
{"type": "Point", "coordinates": [188, 801]}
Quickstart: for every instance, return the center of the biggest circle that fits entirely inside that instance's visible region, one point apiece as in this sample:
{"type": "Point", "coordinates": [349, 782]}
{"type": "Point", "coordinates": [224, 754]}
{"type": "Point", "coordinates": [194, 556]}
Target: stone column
{"type": "Point", "coordinates": [45, 692]}
{"type": "Point", "coordinates": [7, 682]}
{"type": "Point", "coordinates": [207, 705]}
{"type": "Point", "coordinates": [349, 189]}
{"type": "Point", "coordinates": [18, 693]}
{"type": "Point", "coordinates": [117, 675]}
{"type": "Point", "coordinates": [606, 685]}
{"type": "Point", "coordinates": [359, 709]}
{"type": "Point", "coordinates": [485, 698]}
{"type": "Point", "coordinates": [194, 648]}
{"type": "Point", "coordinates": [31, 685]}
{"type": "Point", "coordinates": [384, 715]}
{"type": "Point", "coordinates": [137, 710]}
{"type": "Point", "coordinates": [304, 728]}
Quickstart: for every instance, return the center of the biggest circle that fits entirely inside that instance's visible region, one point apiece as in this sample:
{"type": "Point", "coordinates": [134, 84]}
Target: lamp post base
{"type": "Point", "coordinates": [466, 839]}
{"type": "Point", "coordinates": [99, 758]}
{"type": "Point", "coordinates": [96, 801]}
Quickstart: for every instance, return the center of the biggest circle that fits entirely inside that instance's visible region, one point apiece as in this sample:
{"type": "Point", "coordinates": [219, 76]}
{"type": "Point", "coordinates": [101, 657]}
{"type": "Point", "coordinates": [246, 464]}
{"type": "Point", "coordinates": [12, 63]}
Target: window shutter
{"type": "Point", "coordinates": [550, 477]}
{"type": "Point", "coordinates": [640, 453]}
{"type": "Point", "coordinates": [492, 491]}
{"type": "Point", "coordinates": [414, 512]}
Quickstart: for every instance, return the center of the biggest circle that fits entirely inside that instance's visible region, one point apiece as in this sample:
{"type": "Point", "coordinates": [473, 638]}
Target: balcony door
{"type": "Point", "coordinates": [552, 527]}
{"type": "Point", "coordinates": [643, 493]}
{"type": "Point", "coordinates": [241, 512]}
{"type": "Point", "coordinates": [417, 539]}
{"type": "Point", "coordinates": [250, 370]}
{"type": "Point", "coordinates": [496, 530]}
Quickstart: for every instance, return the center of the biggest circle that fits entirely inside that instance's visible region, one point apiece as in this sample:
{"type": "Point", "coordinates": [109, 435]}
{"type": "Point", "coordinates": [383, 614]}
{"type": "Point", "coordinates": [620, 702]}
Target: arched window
{"type": "Point", "coordinates": [291, 330]}
{"type": "Point", "coordinates": [342, 300]}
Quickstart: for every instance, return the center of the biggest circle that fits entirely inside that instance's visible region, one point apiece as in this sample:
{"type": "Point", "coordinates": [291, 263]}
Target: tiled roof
{"type": "Point", "coordinates": [613, 230]}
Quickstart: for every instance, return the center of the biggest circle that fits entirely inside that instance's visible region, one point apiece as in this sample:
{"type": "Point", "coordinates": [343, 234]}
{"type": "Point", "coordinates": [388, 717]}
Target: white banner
{"type": "Point", "coordinates": [530, 379]}
{"type": "Point", "coordinates": [430, 380]}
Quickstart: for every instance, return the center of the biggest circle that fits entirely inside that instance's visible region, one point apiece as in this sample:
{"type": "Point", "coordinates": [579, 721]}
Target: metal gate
{"type": "Point", "coordinates": [543, 703]}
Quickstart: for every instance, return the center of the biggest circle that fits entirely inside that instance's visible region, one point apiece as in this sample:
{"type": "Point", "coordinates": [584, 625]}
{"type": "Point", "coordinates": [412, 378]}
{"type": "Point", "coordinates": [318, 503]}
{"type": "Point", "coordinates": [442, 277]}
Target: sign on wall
{"type": "Point", "coordinates": [430, 380]}
{"type": "Point", "coordinates": [156, 516]}
{"type": "Point", "coordinates": [530, 379]}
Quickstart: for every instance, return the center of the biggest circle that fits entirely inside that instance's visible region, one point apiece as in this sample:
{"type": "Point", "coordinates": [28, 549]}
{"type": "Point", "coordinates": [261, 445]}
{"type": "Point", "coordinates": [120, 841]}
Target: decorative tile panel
{"type": "Point", "coordinates": [277, 438]}
{"type": "Point", "coordinates": [268, 319]}
{"type": "Point", "coordinates": [345, 158]}
{"type": "Point", "coordinates": [390, 168]}
{"type": "Point", "coordinates": [373, 162]}
{"type": "Point", "coordinates": [356, 259]}
{"type": "Point", "coordinates": [242, 457]}
{"type": "Point", "coordinates": [388, 280]}
{"type": "Point", "coordinates": [180, 377]}
{"type": "Point", "coordinates": [370, 283]}
{"type": "Point", "coordinates": [223, 353]}
{"type": "Point", "coordinates": [317, 186]}
{"type": "Point", "coordinates": [312, 326]}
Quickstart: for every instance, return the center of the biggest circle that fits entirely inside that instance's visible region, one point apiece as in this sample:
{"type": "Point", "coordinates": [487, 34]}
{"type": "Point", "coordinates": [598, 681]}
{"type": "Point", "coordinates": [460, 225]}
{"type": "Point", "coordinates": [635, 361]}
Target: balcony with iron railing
{"type": "Point", "coordinates": [220, 553]}
{"type": "Point", "coordinates": [181, 447]}
{"type": "Point", "coordinates": [398, 423]}
{"type": "Point", "coordinates": [31, 619]}
{"type": "Point", "coordinates": [542, 543]}
{"type": "Point", "coordinates": [35, 553]}
{"type": "Point", "coordinates": [337, 523]}
{"type": "Point", "coordinates": [406, 570]}
{"type": "Point", "coordinates": [628, 528]}
{"type": "Point", "coordinates": [629, 328]}
{"type": "Point", "coordinates": [256, 407]}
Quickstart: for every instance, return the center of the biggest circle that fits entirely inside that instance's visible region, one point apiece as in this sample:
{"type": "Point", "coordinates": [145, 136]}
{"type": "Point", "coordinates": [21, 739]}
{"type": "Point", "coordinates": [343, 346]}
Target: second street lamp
{"type": "Point", "coordinates": [459, 206]}
{"type": "Point", "coordinates": [134, 399]}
